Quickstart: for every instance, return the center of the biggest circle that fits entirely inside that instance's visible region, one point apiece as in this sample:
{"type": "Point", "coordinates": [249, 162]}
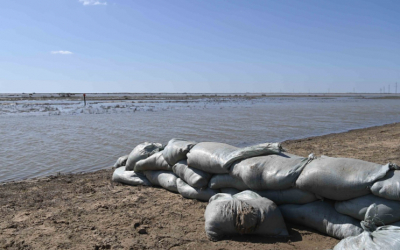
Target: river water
{"type": "Point", "coordinates": [43, 144]}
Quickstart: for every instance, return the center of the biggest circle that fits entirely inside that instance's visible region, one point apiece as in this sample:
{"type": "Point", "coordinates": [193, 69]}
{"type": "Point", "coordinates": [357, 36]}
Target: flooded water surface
{"type": "Point", "coordinates": [44, 143]}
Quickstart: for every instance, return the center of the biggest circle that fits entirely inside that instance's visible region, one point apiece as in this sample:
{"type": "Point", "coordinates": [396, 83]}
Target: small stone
{"type": "Point", "coordinates": [142, 231]}
{"type": "Point", "coordinates": [136, 224]}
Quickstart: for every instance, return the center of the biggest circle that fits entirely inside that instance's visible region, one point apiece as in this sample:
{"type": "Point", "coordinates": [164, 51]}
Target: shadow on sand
{"type": "Point", "coordinates": [294, 236]}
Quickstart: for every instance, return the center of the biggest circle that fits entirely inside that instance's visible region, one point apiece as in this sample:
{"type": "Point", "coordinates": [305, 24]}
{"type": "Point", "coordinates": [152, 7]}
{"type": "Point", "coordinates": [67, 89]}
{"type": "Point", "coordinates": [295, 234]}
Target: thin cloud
{"type": "Point", "coordinates": [92, 2]}
{"type": "Point", "coordinates": [62, 52]}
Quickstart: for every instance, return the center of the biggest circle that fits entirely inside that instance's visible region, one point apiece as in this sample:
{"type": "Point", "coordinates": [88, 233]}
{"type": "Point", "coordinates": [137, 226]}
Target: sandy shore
{"type": "Point", "coordinates": [88, 211]}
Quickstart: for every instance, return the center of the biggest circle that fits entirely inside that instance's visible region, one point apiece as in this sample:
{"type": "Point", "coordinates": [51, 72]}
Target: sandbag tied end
{"type": "Point", "coordinates": [393, 166]}
{"type": "Point", "coordinates": [371, 219]}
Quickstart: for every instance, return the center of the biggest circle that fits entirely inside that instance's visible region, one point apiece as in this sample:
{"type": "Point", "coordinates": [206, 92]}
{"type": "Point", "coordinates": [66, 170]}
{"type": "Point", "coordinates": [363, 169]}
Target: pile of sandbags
{"type": "Point", "coordinates": [184, 166]}
{"type": "Point", "coordinates": [329, 194]}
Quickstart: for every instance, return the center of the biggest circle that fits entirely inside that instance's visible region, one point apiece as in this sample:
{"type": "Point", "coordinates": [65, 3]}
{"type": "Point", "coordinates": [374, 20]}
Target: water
{"type": "Point", "coordinates": [40, 145]}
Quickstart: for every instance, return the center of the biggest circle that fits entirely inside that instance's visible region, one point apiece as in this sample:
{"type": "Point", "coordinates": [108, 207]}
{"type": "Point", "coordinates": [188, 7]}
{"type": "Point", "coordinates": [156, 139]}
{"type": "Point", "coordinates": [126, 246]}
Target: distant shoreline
{"type": "Point", "coordinates": [183, 96]}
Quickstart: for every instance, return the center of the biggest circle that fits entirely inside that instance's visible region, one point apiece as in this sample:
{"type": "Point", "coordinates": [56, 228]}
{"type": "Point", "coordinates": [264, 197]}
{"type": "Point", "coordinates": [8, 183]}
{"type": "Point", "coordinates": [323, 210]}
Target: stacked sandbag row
{"type": "Point", "coordinates": [183, 166]}
{"type": "Point", "coordinates": [152, 163]}
{"type": "Point", "coordinates": [275, 177]}
{"type": "Point", "coordinates": [328, 194]}
{"type": "Point", "coordinates": [347, 187]}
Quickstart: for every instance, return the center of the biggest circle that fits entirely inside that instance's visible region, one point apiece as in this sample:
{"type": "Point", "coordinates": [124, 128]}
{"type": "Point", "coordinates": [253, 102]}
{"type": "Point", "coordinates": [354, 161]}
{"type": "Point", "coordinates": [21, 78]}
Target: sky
{"type": "Point", "coordinates": [199, 46]}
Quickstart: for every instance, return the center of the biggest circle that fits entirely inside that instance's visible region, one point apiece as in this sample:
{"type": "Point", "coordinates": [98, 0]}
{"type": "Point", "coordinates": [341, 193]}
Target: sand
{"type": "Point", "coordinates": [88, 211]}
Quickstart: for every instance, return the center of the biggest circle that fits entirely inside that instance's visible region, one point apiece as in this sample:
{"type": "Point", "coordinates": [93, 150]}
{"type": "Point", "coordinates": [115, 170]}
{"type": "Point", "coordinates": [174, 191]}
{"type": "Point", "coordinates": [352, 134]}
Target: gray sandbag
{"type": "Point", "coordinates": [385, 237]}
{"type": "Point", "coordinates": [192, 176]}
{"type": "Point", "coordinates": [216, 158]}
{"type": "Point", "coordinates": [176, 150]}
{"type": "Point", "coordinates": [219, 181]}
{"type": "Point", "coordinates": [165, 179]}
{"type": "Point", "coordinates": [129, 177]}
{"type": "Point", "coordinates": [231, 191]}
{"type": "Point", "coordinates": [388, 210]}
{"type": "Point", "coordinates": [373, 238]}
{"type": "Point", "coordinates": [202, 194]}
{"type": "Point", "coordinates": [322, 217]}
{"type": "Point", "coordinates": [121, 161]}
{"type": "Point", "coordinates": [288, 196]}
{"type": "Point", "coordinates": [340, 178]}
{"type": "Point", "coordinates": [153, 162]}
{"type": "Point", "coordinates": [388, 187]}
{"type": "Point", "coordinates": [242, 213]}
{"type": "Point", "coordinates": [142, 151]}
{"type": "Point", "coordinates": [271, 172]}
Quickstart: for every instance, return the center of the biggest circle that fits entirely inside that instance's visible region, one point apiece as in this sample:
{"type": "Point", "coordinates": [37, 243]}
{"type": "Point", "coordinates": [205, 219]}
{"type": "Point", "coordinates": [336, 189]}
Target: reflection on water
{"type": "Point", "coordinates": [34, 146]}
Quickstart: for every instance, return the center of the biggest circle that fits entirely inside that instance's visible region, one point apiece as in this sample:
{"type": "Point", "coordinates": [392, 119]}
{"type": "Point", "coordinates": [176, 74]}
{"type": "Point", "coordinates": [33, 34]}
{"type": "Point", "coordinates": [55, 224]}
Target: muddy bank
{"type": "Point", "coordinates": [87, 211]}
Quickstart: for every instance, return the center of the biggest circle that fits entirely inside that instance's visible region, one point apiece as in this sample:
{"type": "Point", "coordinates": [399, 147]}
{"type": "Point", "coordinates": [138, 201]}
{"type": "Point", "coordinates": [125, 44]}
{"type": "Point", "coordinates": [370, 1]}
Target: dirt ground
{"type": "Point", "coordinates": [88, 211]}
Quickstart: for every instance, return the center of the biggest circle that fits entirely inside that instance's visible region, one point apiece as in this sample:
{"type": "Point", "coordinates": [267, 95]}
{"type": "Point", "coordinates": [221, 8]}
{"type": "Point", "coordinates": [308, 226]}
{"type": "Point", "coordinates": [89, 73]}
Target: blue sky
{"type": "Point", "coordinates": [199, 46]}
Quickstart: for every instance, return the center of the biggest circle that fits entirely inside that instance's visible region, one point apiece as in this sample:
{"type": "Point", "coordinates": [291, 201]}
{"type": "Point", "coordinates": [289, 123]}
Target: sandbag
{"type": "Point", "coordinates": [153, 162]}
{"type": "Point", "coordinates": [271, 172]}
{"type": "Point", "coordinates": [165, 179]}
{"type": "Point", "coordinates": [340, 178]}
{"type": "Point", "coordinates": [202, 194]}
{"type": "Point", "coordinates": [388, 187]}
{"type": "Point", "coordinates": [322, 217]}
{"type": "Point", "coordinates": [385, 237]}
{"type": "Point", "coordinates": [142, 151]}
{"type": "Point", "coordinates": [176, 150]}
{"type": "Point", "coordinates": [242, 213]}
{"type": "Point", "coordinates": [216, 158]}
{"type": "Point", "coordinates": [192, 176]}
{"type": "Point", "coordinates": [373, 238]}
{"type": "Point", "coordinates": [129, 177]}
{"type": "Point", "coordinates": [388, 210]}
{"type": "Point", "coordinates": [219, 181]}
{"type": "Point", "coordinates": [230, 191]}
{"type": "Point", "coordinates": [121, 161]}
{"type": "Point", "coordinates": [288, 196]}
